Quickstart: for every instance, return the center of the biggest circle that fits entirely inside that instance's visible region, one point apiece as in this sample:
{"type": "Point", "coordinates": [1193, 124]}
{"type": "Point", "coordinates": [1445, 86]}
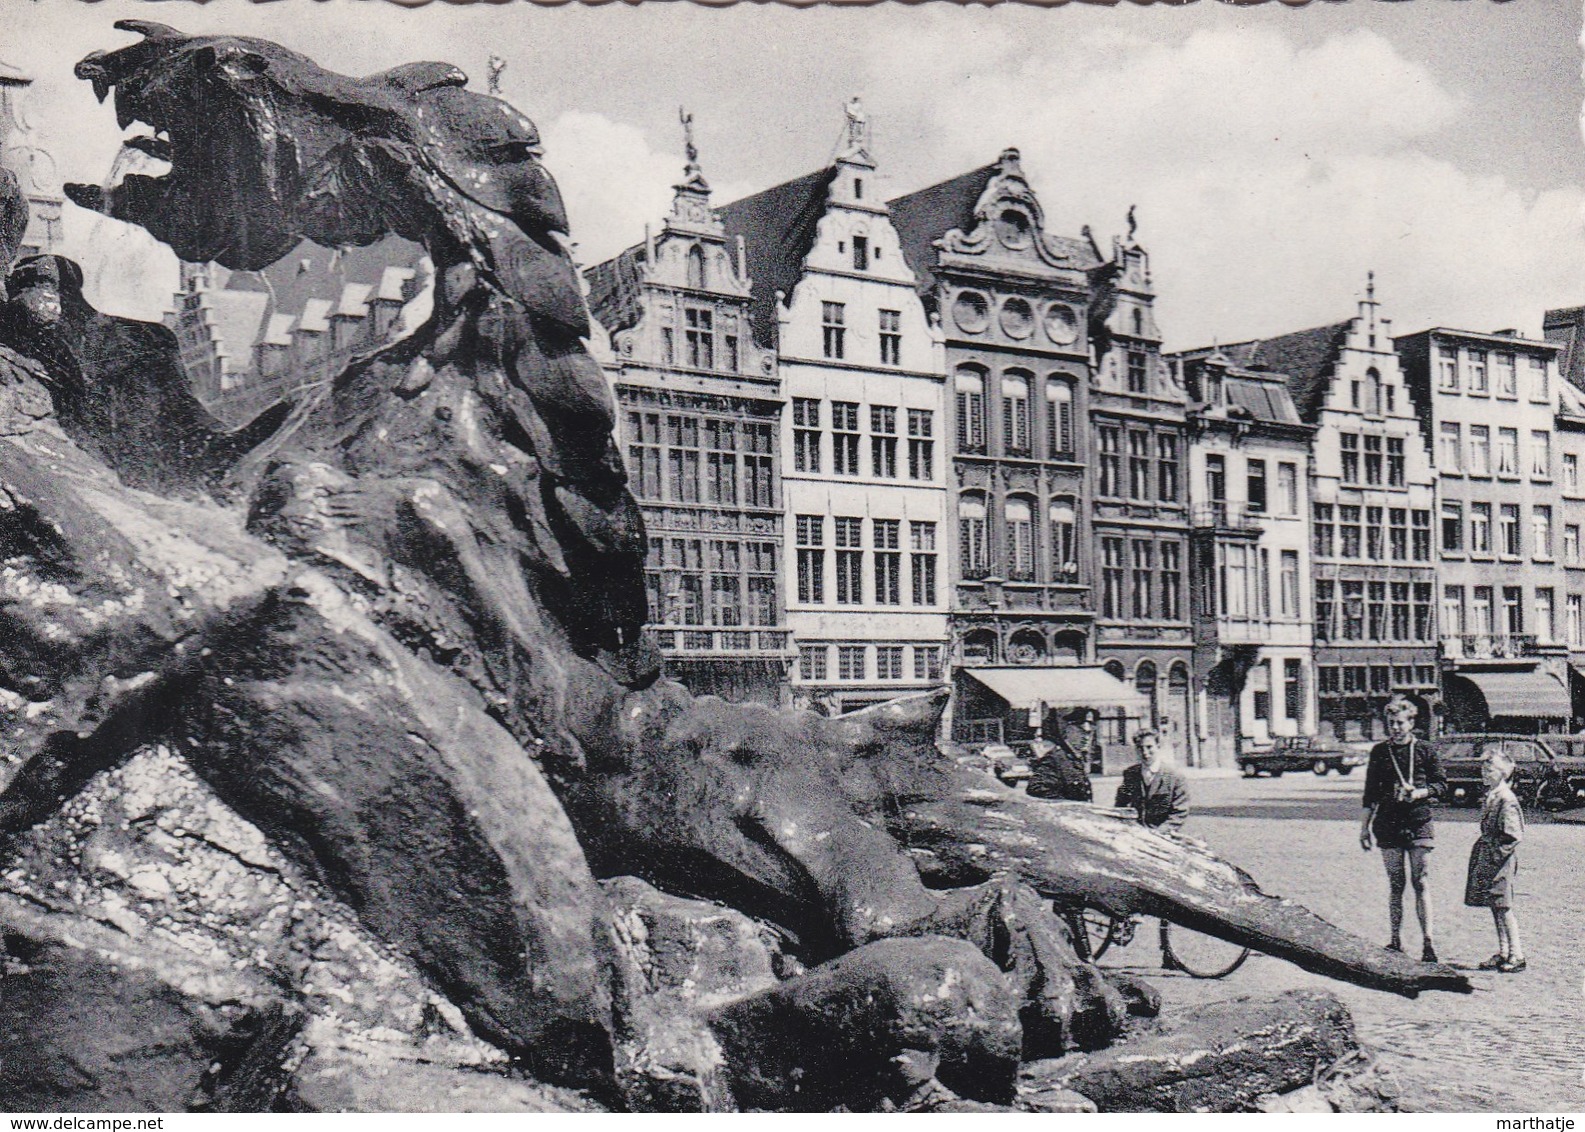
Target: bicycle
{"type": "Point", "coordinates": [1197, 955]}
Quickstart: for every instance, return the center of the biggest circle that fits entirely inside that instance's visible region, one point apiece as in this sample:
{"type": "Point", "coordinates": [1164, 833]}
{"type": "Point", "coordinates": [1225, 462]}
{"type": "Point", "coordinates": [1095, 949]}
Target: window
{"type": "Point", "coordinates": [1144, 561]}
{"type": "Point", "coordinates": [1171, 581]}
{"type": "Point", "coordinates": [927, 662]}
{"type": "Point", "coordinates": [1373, 460]}
{"type": "Point", "coordinates": [759, 481]}
{"type": "Point", "coordinates": [922, 542]}
{"type": "Point", "coordinates": [726, 584]}
{"type": "Point", "coordinates": [700, 337]}
{"type": "Point", "coordinates": [1348, 530]}
{"type": "Point", "coordinates": [1064, 563]}
{"type": "Point", "coordinates": [1398, 534]}
{"type": "Point", "coordinates": [764, 608]}
{"type": "Point", "coordinates": [850, 662]}
{"type": "Point", "coordinates": [1535, 369]}
{"type": "Point", "coordinates": [806, 434]}
{"type": "Point", "coordinates": [1480, 528]}
{"type": "Point", "coordinates": [1513, 610]}
{"type": "Point", "coordinates": [811, 540]}
{"type": "Point", "coordinates": [1477, 372]}
{"type": "Point", "coordinates": [1453, 611]}
{"type": "Point", "coordinates": [1452, 527]}
{"type": "Point", "coordinates": [921, 444]}
{"type": "Point", "coordinates": [1166, 467]}
{"type": "Point", "coordinates": [682, 459]}
{"type": "Point", "coordinates": [1541, 529]}
{"type": "Point", "coordinates": [1138, 376]}
{"type": "Point", "coordinates": [1571, 472]}
{"type": "Point", "coordinates": [1216, 478]}
{"type": "Point", "coordinates": [1395, 472]}
{"type": "Point", "coordinates": [1376, 612]}
{"type": "Point", "coordinates": [1479, 450]}
{"type": "Point", "coordinates": [1288, 488]}
{"type": "Point", "coordinates": [883, 442]}
{"type": "Point", "coordinates": [812, 662]}
{"type": "Point", "coordinates": [1059, 419]}
{"type": "Point", "coordinates": [861, 253]}
{"type": "Point", "coordinates": [1545, 609]}
{"type": "Point", "coordinates": [1507, 452]}
{"type": "Point", "coordinates": [730, 341]}
{"type": "Point", "coordinates": [1257, 485]}
{"type": "Point", "coordinates": [1480, 610]}
{"type": "Point", "coordinates": [1400, 611]}
{"type": "Point", "coordinates": [1571, 544]}
{"type": "Point", "coordinates": [833, 322]}
{"type": "Point", "coordinates": [1235, 580]}
{"type": "Point", "coordinates": [668, 348]}
{"type": "Point", "coordinates": [644, 454]}
{"type": "Point", "coordinates": [1506, 385]}
{"type": "Point", "coordinates": [1420, 534]}
{"type": "Point", "coordinates": [971, 411]}
{"type": "Point", "coordinates": [1576, 622]}
{"type": "Point", "coordinates": [1325, 610]}
{"type": "Point", "coordinates": [1288, 589]}
{"type": "Point", "coordinates": [1139, 485]}
{"type": "Point", "coordinates": [1015, 414]}
{"type": "Point", "coordinates": [885, 535]}
{"type": "Point", "coordinates": [1540, 454]}
{"type": "Point", "coordinates": [891, 338]}
{"type": "Point", "coordinates": [1350, 441]}
{"type": "Point", "coordinates": [971, 536]}
{"type": "Point", "coordinates": [844, 438]}
{"type": "Point", "coordinates": [850, 561]}
{"type": "Point", "coordinates": [696, 274]}
{"type": "Point", "coordinates": [1451, 448]}
{"type": "Point", "coordinates": [1323, 530]}
{"type": "Point", "coordinates": [720, 482]}
{"type": "Point", "coordinates": [1375, 531]}
{"type": "Point", "coordinates": [888, 662]}
{"type": "Point", "coordinates": [1508, 529]}
{"type": "Point", "coordinates": [1111, 577]}
{"type": "Point", "coordinates": [1111, 464]}
{"type": "Point", "coordinates": [1020, 541]}
{"type": "Point", "coordinates": [1447, 369]}
{"type": "Point", "coordinates": [687, 556]}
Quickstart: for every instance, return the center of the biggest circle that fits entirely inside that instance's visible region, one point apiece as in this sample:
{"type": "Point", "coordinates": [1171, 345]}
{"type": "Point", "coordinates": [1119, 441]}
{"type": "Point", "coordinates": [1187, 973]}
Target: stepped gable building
{"type": "Point", "coordinates": [1372, 492]}
{"type": "Point", "coordinates": [249, 339]}
{"type": "Point", "coordinates": [1250, 591]}
{"type": "Point", "coordinates": [1506, 530]}
{"type": "Point", "coordinates": [21, 153]}
{"type": "Point", "coordinates": [699, 406]}
{"type": "Point", "coordinates": [1013, 303]}
{"type": "Point", "coordinates": [864, 486]}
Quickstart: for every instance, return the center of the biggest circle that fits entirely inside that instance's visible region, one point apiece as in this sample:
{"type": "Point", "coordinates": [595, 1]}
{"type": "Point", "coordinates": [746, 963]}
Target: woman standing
{"type": "Point", "coordinates": [1403, 778]}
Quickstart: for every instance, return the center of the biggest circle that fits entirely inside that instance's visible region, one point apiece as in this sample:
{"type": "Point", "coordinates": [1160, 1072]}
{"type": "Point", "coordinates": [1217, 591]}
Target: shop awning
{"type": "Point", "coordinates": [1534, 695]}
{"type": "Point", "coordinates": [1059, 687]}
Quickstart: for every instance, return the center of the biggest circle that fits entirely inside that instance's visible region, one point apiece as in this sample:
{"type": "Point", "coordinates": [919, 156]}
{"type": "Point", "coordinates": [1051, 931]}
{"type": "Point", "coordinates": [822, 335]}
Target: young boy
{"type": "Point", "coordinates": [1494, 862]}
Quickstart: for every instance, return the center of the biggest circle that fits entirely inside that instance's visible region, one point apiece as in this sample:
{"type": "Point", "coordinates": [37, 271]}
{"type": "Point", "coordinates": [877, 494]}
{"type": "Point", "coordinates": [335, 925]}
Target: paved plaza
{"type": "Point", "coordinates": [1516, 1043]}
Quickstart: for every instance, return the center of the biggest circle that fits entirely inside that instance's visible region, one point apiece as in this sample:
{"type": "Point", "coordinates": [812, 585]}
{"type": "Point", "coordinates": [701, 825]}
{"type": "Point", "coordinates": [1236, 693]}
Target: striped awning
{"type": "Point", "coordinates": [1520, 695]}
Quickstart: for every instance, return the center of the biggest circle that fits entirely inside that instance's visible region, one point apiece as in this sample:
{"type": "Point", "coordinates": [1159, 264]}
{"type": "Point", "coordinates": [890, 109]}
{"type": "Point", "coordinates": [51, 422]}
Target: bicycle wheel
{"type": "Point", "coordinates": [1198, 955]}
{"type": "Point", "coordinates": [1092, 933]}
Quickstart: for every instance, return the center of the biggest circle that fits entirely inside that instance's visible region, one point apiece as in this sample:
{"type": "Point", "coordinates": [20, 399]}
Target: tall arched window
{"type": "Point", "coordinates": [1059, 419]}
{"type": "Point", "coordinates": [1020, 539]}
{"type": "Point", "coordinates": [973, 554]}
{"type": "Point", "coordinates": [1064, 542]}
{"type": "Point", "coordinates": [1372, 391]}
{"type": "Point", "coordinates": [970, 383]}
{"type": "Point", "coordinates": [1145, 685]}
{"type": "Point", "coordinates": [1015, 413]}
{"type": "Point", "coordinates": [696, 276]}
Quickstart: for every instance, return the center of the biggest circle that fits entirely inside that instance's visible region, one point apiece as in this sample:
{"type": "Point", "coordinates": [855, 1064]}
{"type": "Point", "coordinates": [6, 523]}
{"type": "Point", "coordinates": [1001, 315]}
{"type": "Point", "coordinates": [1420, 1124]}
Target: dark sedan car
{"type": "Point", "coordinates": [1298, 752]}
{"type": "Point", "coordinates": [1536, 775]}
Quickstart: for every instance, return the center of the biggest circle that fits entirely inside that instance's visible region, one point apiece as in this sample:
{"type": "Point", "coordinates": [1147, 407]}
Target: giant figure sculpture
{"type": "Point", "coordinates": [420, 671]}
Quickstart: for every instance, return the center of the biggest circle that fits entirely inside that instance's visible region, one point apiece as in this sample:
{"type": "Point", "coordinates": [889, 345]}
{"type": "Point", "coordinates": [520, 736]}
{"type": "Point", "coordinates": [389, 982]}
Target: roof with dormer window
{"type": "Point", "coordinates": [1305, 357]}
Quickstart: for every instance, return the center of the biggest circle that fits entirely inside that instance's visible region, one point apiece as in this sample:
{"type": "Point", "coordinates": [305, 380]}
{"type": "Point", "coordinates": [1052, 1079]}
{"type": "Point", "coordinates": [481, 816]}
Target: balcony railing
{"type": "Point", "coordinates": [1489, 646]}
{"type": "Point", "coordinates": [712, 640]}
{"type": "Point", "coordinates": [1225, 517]}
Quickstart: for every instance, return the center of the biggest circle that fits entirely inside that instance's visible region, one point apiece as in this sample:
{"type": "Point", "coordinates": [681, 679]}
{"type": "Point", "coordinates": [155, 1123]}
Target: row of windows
{"type": "Point", "coordinates": [1258, 492]}
{"type": "Point", "coordinates": [700, 336]}
{"type": "Point", "coordinates": [853, 662]}
{"type": "Point", "coordinates": [1236, 581]}
{"type": "Point", "coordinates": [720, 582]}
{"type": "Point", "coordinates": [1500, 611]}
{"type": "Point", "coordinates": [834, 330]}
{"type": "Point", "coordinates": [1020, 551]}
{"type": "Point", "coordinates": [1017, 417]}
{"type": "Point", "coordinates": [1378, 679]}
{"type": "Point", "coordinates": [680, 458]}
{"type": "Point", "coordinates": [1373, 469]}
{"type": "Point", "coordinates": [884, 551]}
{"type": "Point", "coordinates": [1141, 579]}
{"type": "Point", "coordinates": [1384, 612]}
{"type": "Point", "coordinates": [1480, 458]}
{"type": "Point", "coordinates": [1477, 537]}
{"type": "Point", "coordinates": [1479, 372]}
{"type": "Point", "coordinates": [1378, 534]}
{"type": "Point", "coordinates": [847, 439]}
{"type": "Point", "coordinates": [1146, 472]}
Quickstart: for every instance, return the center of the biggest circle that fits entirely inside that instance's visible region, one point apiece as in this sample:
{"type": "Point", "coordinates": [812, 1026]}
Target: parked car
{"type": "Point", "coordinates": [1298, 752]}
{"type": "Point", "coordinates": [1537, 779]}
{"type": "Point", "coordinates": [1008, 762]}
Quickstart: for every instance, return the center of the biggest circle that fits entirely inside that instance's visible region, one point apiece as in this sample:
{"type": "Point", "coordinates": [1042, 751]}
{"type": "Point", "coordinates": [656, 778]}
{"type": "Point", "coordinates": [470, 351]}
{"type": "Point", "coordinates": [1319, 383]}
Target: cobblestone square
{"type": "Point", "coordinates": [1516, 1043]}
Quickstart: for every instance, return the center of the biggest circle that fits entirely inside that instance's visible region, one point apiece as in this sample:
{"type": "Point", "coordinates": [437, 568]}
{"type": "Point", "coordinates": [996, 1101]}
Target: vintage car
{"type": "Point", "coordinates": [1549, 770]}
{"type": "Point", "coordinates": [1297, 752]}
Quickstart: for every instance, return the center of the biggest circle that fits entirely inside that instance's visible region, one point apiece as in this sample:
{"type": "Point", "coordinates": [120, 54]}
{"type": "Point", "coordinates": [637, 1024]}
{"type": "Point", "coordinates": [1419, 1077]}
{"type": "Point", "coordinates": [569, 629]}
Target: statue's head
{"type": "Point", "coordinates": [266, 148]}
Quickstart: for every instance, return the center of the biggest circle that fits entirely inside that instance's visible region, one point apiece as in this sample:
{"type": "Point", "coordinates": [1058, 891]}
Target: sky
{"type": "Point", "coordinates": [1276, 154]}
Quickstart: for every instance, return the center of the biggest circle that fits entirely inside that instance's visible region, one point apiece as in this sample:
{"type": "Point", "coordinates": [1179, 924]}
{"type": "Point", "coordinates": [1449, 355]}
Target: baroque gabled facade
{"type": "Point", "coordinates": [699, 408]}
{"type": "Point", "coordinates": [864, 486]}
